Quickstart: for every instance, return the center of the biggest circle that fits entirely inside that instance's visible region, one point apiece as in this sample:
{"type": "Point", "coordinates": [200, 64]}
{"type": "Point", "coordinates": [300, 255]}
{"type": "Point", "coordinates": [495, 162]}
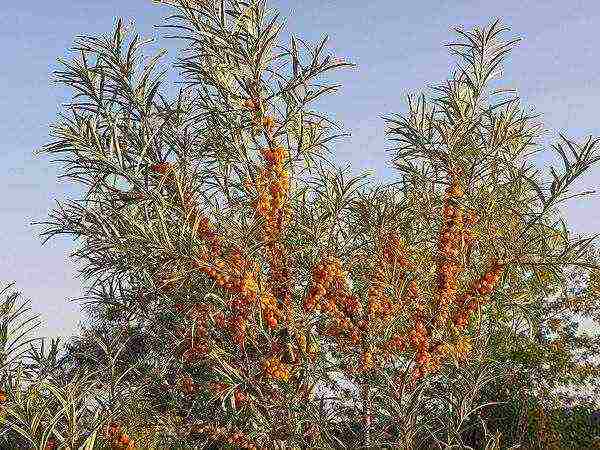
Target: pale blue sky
{"type": "Point", "coordinates": [396, 44]}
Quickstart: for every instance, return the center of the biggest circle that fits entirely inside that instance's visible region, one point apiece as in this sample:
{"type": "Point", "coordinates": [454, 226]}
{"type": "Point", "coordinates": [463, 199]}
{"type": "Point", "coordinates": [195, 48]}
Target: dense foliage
{"type": "Point", "coordinates": [246, 292]}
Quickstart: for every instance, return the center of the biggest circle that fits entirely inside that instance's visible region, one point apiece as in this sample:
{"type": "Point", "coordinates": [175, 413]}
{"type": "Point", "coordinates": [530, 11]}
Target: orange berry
{"type": "Point", "coordinates": [250, 104]}
{"type": "Point", "coordinates": [161, 168]}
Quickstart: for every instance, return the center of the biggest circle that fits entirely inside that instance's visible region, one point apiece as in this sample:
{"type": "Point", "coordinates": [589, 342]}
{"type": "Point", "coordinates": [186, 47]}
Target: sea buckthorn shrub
{"type": "Point", "coordinates": [264, 298]}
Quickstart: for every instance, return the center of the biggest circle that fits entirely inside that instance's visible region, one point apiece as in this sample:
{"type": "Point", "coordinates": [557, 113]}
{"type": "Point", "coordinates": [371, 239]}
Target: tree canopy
{"type": "Point", "coordinates": [245, 291]}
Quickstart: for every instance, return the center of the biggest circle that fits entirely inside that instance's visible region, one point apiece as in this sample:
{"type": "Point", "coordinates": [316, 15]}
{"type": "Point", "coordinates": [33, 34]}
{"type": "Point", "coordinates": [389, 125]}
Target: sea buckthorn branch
{"type": "Point", "coordinates": [330, 294]}
{"type": "Point", "coordinates": [272, 205]}
{"type": "Point", "coordinates": [388, 262]}
{"type": "Point", "coordinates": [272, 185]}
{"type": "Point", "coordinates": [280, 282]}
{"type": "Point", "coordinates": [478, 291]}
{"type": "Point", "coordinates": [393, 262]}
{"type": "Point", "coordinates": [378, 303]}
{"type": "Point", "coordinates": [455, 239]}
{"type": "Point", "coordinates": [242, 285]}
{"type": "Point", "coordinates": [390, 268]}
{"type": "Point", "coordinates": [450, 241]}
{"type": "Point", "coordinates": [231, 271]}
{"type": "Point", "coordinates": [430, 355]}
{"type": "Point", "coordinates": [247, 391]}
{"type": "Point", "coordinates": [419, 338]}
{"type": "Point", "coordinates": [270, 310]}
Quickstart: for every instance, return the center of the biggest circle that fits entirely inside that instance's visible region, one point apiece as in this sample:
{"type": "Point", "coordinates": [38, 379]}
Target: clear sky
{"type": "Point", "coordinates": [396, 44]}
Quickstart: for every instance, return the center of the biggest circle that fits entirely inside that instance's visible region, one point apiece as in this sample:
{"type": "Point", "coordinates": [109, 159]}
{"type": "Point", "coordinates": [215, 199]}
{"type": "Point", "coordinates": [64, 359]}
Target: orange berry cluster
{"type": "Point", "coordinates": [395, 345]}
{"type": "Point", "coordinates": [275, 369]}
{"type": "Point", "coordinates": [260, 123]}
{"type": "Point", "coordinates": [437, 357]}
{"type": "Point", "coordinates": [393, 256]}
{"type": "Point", "coordinates": [393, 252]}
{"type": "Point", "coordinates": [161, 168]}
{"type": "Point", "coordinates": [239, 440]}
{"type": "Point", "coordinates": [217, 434]}
{"type": "Point", "coordinates": [313, 351]}
{"type": "Point", "coordinates": [273, 185]}
{"type": "Point", "coordinates": [419, 340]}
{"type": "Point", "coordinates": [233, 274]}
{"type": "Point", "coordinates": [301, 340]}
{"type": "Point", "coordinates": [188, 386]}
{"type": "Point", "coordinates": [251, 104]}
{"type": "Point", "coordinates": [350, 304]}
{"type": "Point", "coordinates": [462, 348]}
{"type": "Point", "coordinates": [480, 288]}
{"type": "Point", "coordinates": [329, 292]}
{"type": "Point", "coordinates": [196, 347]}
{"type": "Point", "coordinates": [449, 246]}
{"type": "Point", "coordinates": [367, 362]}
{"type": "Point", "coordinates": [268, 124]}
{"type": "Point", "coordinates": [118, 439]}
{"type": "Point", "coordinates": [412, 290]}
{"type": "Point", "coordinates": [323, 276]}
{"type": "Point", "coordinates": [340, 305]}
{"type": "Point", "coordinates": [218, 387]}
{"type": "Point", "coordinates": [239, 398]}
{"type": "Point", "coordinates": [218, 269]}
{"type": "Point", "coordinates": [207, 232]}
{"type": "Point", "coordinates": [486, 284]}
{"type": "Point", "coordinates": [279, 281]}
{"type": "Point", "coordinates": [270, 311]}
